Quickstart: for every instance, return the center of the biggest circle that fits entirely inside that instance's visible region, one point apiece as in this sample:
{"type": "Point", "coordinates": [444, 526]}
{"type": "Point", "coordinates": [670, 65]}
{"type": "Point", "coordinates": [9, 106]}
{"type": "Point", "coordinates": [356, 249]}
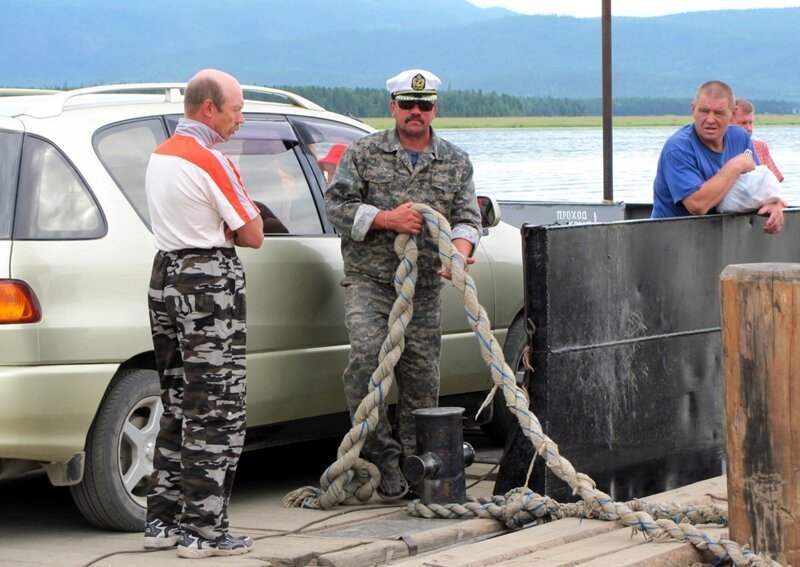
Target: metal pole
{"type": "Point", "coordinates": [608, 166]}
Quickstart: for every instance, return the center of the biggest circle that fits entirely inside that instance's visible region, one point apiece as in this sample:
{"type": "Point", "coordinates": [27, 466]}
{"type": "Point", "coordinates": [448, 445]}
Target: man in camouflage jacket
{"type": "Point", "coordinates": [369, 201]}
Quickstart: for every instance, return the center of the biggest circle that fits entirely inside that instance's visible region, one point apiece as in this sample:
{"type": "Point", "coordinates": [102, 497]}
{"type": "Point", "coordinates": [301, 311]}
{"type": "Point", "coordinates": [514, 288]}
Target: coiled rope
{"type": "Point", "coordinates": [352, 480]}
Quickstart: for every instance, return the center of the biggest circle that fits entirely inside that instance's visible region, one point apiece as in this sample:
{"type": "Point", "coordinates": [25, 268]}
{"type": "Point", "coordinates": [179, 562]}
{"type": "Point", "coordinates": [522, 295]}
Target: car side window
{"type": "Point", "coordinates": [327, 141]}
{"type": "Point", "coordinates": [53, 201]}
{"type": "Point", "coordinates": [264, 152]}
{"type": "Point", "coordinates": [124, 150]}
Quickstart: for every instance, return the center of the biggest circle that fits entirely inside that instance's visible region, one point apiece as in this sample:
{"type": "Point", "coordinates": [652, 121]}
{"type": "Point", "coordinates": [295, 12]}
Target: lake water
{"type": "Point", "coordinates": [566, 164]}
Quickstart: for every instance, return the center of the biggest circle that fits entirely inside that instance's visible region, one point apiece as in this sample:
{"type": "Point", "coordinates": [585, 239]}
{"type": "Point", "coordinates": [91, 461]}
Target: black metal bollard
{"type": "Point", "coordinates": [437, 471]}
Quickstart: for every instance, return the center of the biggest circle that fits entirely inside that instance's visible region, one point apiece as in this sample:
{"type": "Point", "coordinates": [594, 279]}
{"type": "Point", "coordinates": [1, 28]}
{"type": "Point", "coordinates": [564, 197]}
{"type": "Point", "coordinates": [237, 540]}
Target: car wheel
{"type": "Point", "coordinates": [119, 453]}
{"type": "Point", "coordinates": [503, 422]}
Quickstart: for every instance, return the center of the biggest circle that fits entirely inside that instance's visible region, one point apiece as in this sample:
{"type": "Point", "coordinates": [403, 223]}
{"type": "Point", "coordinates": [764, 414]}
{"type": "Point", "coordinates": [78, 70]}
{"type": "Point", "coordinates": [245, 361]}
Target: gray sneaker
{"type": "Point", "coordinates": [160, 535]}
{"type": "Point", "coordinates": [195, 547]}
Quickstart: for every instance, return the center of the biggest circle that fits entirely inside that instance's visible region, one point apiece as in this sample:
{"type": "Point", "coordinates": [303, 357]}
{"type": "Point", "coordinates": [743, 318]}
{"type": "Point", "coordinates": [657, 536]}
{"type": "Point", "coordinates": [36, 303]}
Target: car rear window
{"type": "Point", "coordinates": [10, 147]}
{"type": "Point", "coordinates": [54, 202]}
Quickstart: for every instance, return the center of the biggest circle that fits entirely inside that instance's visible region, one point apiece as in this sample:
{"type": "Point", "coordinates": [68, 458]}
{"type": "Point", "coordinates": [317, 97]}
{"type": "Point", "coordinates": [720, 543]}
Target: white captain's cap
{"type": "Point", "coordinates": [416, 84]}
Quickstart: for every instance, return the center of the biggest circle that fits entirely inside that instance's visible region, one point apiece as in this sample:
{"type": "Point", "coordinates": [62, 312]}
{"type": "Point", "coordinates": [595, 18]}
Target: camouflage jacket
{"type": "Point", "coordinates": [375, 174]}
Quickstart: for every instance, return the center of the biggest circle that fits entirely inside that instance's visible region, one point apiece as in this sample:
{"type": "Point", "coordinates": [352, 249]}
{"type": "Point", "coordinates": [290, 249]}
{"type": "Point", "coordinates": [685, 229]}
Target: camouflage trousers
{"type": "Point", "coordinates": [197, 316]}
{"type": "Point", "coordinates": [367, 307]}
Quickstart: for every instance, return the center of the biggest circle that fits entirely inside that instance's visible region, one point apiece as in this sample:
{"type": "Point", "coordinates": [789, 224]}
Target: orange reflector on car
{"type": "Point", "coordinates": [18, 303]}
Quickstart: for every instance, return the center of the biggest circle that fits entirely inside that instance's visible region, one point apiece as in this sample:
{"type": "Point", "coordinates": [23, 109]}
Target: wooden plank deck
{"type": "Point", "coordinates": [42, 527]}
{"type": "Point", "coordinates": [572, 541]}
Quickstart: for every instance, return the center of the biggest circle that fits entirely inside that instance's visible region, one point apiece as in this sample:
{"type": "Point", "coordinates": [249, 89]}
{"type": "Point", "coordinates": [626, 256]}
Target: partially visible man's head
{"type": "Point", "coordinates": [215, 98]}
{"type": "Point", "coordinates": [712, 110]}
{"type": "Point", "coordinates": [744, 114]}
{"type": "Point", "coordinates": [716, 90]}
{"type": "Point", "coordinates": [414, 100]}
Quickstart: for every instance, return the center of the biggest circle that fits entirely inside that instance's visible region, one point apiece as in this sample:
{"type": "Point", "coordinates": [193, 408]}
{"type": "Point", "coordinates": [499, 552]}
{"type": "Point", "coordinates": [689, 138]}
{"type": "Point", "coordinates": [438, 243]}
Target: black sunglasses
{"type": "Point", "coordinates": [423, 105]}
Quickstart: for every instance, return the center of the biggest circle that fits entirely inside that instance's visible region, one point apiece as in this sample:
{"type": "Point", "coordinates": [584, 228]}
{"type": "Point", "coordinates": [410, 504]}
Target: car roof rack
{"type": "Point", "coordinates": [18, 91]}
{"type": "Point", "coordinates": [289, 97]}
{"type": "Point", "coordinates": [173, 92]}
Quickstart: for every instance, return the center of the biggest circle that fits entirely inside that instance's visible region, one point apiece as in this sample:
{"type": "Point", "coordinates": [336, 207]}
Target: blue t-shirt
{"type": "Point", "coordinates": [686, 163]}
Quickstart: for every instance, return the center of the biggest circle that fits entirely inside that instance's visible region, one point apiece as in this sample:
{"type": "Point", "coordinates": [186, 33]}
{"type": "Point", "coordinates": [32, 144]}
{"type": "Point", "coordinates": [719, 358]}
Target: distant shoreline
{"type": "Point", "coordinates": [578, 121]}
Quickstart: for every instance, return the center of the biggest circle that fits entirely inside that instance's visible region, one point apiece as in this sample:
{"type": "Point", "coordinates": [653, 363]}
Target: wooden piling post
{"type": "Point", "coordinates": [761, 361]}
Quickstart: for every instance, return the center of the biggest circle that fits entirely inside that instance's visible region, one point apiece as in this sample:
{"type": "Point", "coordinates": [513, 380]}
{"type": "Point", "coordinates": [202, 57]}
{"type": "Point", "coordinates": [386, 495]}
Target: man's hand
{"type": "Point", "coordinates": [404, 219]}
{"type": "Point", "coordinates": [448, 276]}
{"type": "Point", "coordinates": [464, 248]}
{"type": "Point", "coordinates": [251, 234]}
{"type": "Point", "coordinates": [743, 163]}
{"type": "Point", "coordinates": [714, 190]}
{"type": "Point", "coordinates": [774, 211]}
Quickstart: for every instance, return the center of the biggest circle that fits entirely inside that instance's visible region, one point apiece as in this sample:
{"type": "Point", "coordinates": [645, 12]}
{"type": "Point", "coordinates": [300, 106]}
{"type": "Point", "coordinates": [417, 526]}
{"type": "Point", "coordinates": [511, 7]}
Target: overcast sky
{"type": "Point", "coordinates": [592, 8]}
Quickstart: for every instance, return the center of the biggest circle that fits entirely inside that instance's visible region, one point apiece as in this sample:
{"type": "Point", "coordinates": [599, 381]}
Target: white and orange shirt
{"type": "Point", "coordinates": [194, 192]}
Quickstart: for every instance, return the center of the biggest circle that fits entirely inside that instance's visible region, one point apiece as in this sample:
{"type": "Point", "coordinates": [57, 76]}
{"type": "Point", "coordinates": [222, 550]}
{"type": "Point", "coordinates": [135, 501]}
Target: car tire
{"type": "Point", "coordinates": [503, 422]}
{"type": "Point", "coordinates": [119, 453]}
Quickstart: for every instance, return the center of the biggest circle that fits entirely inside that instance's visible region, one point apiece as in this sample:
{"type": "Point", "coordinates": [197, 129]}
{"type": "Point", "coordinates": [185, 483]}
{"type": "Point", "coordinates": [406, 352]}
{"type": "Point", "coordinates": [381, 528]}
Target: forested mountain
{"type": "Point", "coordinates": [359, 43]}
{"type": "Point", "coordinates": [370, 103]}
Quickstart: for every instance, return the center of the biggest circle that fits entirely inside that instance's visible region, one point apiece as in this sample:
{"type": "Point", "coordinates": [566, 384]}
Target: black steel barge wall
{"type": "Point", "coordinates": [627, 349]}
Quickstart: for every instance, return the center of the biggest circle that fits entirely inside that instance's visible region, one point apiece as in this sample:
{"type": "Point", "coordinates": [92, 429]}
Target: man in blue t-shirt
{"type": "Point", "coordinates": [700, 162]}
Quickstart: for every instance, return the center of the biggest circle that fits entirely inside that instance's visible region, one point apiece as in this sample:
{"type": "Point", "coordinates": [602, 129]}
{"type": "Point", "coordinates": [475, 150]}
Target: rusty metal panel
{"type": "Point", "coordinates": [626, 352]}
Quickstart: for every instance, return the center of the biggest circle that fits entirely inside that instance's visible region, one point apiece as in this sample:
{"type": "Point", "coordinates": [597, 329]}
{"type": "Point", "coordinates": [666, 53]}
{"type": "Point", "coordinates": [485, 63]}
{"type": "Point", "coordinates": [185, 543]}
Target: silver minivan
{"type": "Point", "coordinates": [79, 395]}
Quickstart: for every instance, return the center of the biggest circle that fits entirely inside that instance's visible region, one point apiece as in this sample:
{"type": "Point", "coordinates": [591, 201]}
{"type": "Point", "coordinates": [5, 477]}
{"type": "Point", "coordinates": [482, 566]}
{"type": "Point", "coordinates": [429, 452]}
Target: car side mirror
{"type": "Point", "coordinates": [490, 211]}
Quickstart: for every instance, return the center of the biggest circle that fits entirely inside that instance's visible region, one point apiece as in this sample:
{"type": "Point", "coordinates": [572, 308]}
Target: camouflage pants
{"type": "Point", "coordinates": [197, 317]}
{"type": "Point", "coordinates": [367, 308]}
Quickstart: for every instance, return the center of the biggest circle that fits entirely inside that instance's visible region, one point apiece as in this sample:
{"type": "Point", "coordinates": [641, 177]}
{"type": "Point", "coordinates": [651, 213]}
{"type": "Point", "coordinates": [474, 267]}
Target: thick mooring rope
{"type": "Point", "coordinates": [351, 479]}
{"type": "Point", "coordinates": [521, 506]}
